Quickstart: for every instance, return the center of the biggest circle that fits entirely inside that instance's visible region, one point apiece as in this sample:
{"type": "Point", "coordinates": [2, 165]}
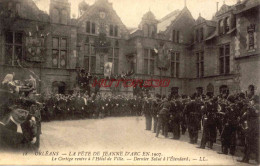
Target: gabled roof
{"type": "Point", "coordinates": [32, 11]}
{"type": "Point", "coordinates": [246, 5]}
{"type": "Point", "coordinates": [224, 8]}
{"type": "Point", "coordinates": [211, 23]}
{"type": "Point", "coordinates": [148, 16]}
{"type": "Point", "coordinates": [101, 4]}
{"type": "Point", "coordinates": [133, 30]}
{"type": "Point", "coordinates": [201, 20]}
{"type": "Point", "coordinates": [167, 20]}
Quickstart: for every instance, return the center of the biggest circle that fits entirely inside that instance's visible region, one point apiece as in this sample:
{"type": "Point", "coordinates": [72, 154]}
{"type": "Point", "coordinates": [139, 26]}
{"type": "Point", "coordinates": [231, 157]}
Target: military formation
{"type": "Point", "coordinates": [81, 106]}
{"type": "Point", "coordinates": [235, 118]}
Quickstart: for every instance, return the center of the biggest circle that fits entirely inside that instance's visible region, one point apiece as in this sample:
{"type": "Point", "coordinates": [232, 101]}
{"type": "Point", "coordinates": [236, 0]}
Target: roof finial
{"type": "Point", "coordinates": [199, 14]}
{"type": "Point", "coordinates": [224, 2]}
{"type": "Point", "coordinates": [185, 3]}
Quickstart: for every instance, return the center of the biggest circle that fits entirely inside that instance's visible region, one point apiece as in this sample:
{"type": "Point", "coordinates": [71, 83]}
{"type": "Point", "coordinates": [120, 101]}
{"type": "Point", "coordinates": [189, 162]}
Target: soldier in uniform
{"type": "Point", "coordinates": [209, 123]}
{"type": "Point", "coordinates": [192, 112]}
{"type": "Point", "coordinates": [163, 119]}
{"type": "Point", "coordinates": [184, 101]}
{"type": "Point", "coordinates": [231, 121]}
{"type": "Point", "coordinates": [139, 106]}
{"type": "Point", "coordinates": [155, 110]}
{"type": "Point", "coordinates": [147, 113]}
{"type": "Point", "coordinates": [251, 118]}
{"type": "Point", "coordinates": [175, 118]}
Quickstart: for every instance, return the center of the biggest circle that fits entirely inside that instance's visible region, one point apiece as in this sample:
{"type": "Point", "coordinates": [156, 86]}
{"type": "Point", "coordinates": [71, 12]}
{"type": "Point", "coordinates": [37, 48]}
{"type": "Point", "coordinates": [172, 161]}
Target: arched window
{"type": "Point", "coordinates": [223, 89]}
{"type": "Point", "coordinates": [199, 91]}
{"type": "Point", "coordinates": [55, 16]}
{"type": "Point", "coordinates": [221, 27]}
{"type": "Point", "coordinates": [146, 30]}
{"type": "Point", "coordinates": [210, 88]}
{"type": "Point", "coordinates": [58, 87]}
{"type": "Point", "coordinates": [227, 24]}
{"type": "Point", "coordinates": [64, 17]}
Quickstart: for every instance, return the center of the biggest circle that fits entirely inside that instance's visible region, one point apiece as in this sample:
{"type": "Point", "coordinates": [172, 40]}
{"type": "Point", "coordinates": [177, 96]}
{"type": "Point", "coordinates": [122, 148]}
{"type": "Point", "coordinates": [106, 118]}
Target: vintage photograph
{"type": "Point", "coordinates": [129, 82]}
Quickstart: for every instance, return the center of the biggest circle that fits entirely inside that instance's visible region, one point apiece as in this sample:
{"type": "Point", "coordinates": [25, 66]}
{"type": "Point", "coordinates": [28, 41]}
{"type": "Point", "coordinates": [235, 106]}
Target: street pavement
{"type": "Point", "coordinates": [122, 134]}
{"type": "Point", "coordinates": [127, 134]}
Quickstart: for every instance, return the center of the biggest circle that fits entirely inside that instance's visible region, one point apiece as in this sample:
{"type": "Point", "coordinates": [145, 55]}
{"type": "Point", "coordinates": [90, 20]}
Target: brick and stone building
{"type": "Point", "coordinates": [221, 54]}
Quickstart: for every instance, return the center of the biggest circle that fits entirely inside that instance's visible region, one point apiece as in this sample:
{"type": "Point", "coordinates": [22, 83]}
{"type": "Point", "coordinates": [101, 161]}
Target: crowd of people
{"type": "Point", "coordinates": [80, 106]}
{"type": "Point", "coordinates": [234, 117]}
{"type": "Point", "coordinates": [20, 116]}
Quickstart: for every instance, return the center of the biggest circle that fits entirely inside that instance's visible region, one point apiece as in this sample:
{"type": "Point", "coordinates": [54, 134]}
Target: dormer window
{"type": "Point", "coordinates": [152, 31]}
{"type": "Point", "coordinates": [221, 27]}
{"type": "Point", "coordinates": [173, 35]}
{"type": "Point", "coordinates": [116, 30]}
{"type": "Point", "coordinates": [91, 27]}
{"type": "Point", "coordinates": [201, 34]}
{"type": "Point", "coordinates": [224, 25]}
{"type": "Point", "coordinates": [197, 35]}
{"type": "Point", "coordinates": [18, 8]}
{"type": "Point", "coordinates": [146, 30]}
{"type": "Point", "coordinates": [227, 24]}
{"type": "Point", "coordinates": [176, 36]}
{"type": "Point", "coordinates": [88, 27]}
{"type": "Point", "coordinates": [113, 30]}
{"type": "Point", "coordinates": [64, 19]}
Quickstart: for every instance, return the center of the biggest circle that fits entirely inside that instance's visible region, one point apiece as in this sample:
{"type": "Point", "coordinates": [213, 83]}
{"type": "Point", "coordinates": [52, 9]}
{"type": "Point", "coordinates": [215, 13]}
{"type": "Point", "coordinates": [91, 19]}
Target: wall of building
{"type": "Point", "coordinates": [249, 72]}
{"type": "Point", "coordinates": [244, 63]}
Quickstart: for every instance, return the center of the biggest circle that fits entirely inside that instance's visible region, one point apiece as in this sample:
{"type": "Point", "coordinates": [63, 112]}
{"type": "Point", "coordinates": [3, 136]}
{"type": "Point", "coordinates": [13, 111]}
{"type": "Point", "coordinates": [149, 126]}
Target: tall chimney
{"type": "Point", "coordinates": [217, 6]}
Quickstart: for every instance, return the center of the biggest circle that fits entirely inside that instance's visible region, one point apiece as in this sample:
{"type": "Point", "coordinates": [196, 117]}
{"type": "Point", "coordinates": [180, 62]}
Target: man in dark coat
{"type": "Point", "coordinates": [13, 119]}
{"type": "Point", "coordinates": [251, 118]}
{"type": "Point", "coordinates": [175, 118]}
{"type": "Point", "coordinates": [147, 113]}
{"type": "Point", "coordinates": [231, 121]}
{"type": "Point", "coordinates": [155, 109]}
{"type": "Point", "coordinates": [192, 112]}
{"type": "Point", "coordinates": [209, 123]}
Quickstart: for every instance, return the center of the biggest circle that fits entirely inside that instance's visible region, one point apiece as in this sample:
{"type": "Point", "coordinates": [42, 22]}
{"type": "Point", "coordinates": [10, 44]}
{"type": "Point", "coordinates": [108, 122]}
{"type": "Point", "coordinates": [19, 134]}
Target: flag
{"type": "Point", "coordinates": [108, 69]}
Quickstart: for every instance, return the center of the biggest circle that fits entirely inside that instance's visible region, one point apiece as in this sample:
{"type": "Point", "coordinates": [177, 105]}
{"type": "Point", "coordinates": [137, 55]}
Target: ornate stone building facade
{"type": "Point", "coordinates": [215, 55]}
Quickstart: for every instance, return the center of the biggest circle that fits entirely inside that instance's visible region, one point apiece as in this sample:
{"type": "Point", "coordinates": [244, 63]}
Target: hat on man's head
{"type": "Point", "coordinates": [22, 103]}
{"type": "Point", "coordinates": [7, 99]}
